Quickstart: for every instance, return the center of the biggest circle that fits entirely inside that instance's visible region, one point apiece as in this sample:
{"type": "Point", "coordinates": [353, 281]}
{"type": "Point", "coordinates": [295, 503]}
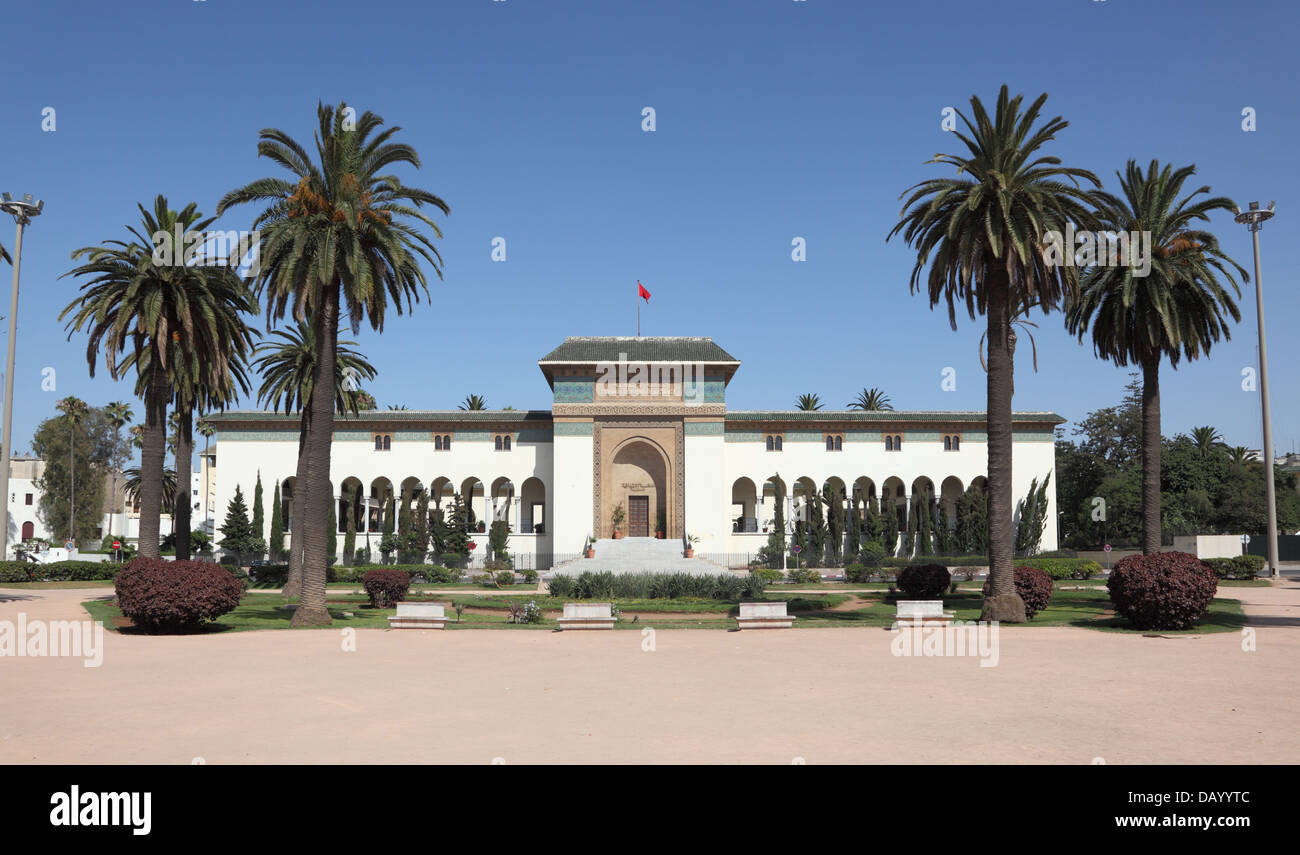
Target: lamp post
{"type": "Point", "coordinates": [22, 212]}
{"type": "Point", "coordinates": [1254, 221]}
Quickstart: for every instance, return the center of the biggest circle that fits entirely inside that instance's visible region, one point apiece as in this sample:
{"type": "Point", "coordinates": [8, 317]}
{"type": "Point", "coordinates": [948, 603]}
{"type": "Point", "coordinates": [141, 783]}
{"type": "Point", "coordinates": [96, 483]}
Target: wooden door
{"type": "Point", "coordinates": [638, 516]}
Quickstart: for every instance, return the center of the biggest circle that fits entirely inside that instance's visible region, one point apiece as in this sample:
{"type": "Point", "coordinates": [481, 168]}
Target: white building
{"type": "Point", "coordinates": [641, 424]}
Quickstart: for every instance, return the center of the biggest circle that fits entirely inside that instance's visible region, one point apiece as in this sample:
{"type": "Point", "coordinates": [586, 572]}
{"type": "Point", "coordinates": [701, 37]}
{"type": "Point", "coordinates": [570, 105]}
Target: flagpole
{"type": "Point", "coordinates": [638, 317]}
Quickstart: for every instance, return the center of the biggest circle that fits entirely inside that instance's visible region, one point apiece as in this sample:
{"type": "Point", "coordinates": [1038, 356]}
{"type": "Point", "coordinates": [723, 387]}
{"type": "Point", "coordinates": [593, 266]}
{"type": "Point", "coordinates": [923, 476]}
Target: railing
{"type": "Point", "coordinates": [744, 525]}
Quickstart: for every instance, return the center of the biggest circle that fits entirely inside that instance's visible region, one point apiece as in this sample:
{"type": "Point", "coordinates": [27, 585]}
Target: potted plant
{"type": "Point", "coordinates": [617, 518]}
{"type": "Point", "coordinates": [691, 540]}
{"type": "Point", "coordinates": [589, 548]}
{"type": "Point", "coordinates": [659, 527]}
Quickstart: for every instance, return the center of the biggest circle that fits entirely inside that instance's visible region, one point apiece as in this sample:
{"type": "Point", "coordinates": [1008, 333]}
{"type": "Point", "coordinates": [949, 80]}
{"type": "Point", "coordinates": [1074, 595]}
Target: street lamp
{"type": "Point", "coordinates": [22, 212]}
{"type": "Point", "coordinates": [1254, 221]}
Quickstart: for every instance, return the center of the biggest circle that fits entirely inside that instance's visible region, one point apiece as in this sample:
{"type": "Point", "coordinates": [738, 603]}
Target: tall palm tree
{"type": "Point", "coordinates": [207, 430]}
{"type": "Point", "coordinates": [473, 402]}
{"type": "Point", "coordinates": [871, 400]}
{"type": "Point", "coordinates": [1239, 455]}
{"type": "Point", "coordinates": [133, 483]}
{"type": "Point", "coordinates": [981, 234]}
{"type": "Point", "coordinates": [343, 235]}
{"type": "Point", "coordinates": [74, 410]}
{"type": "Point", "coordinates": [151, 314]}
{"type": "Point", "coordinates": [809, 401]}
{"type": "Point", "coordinates": [287, 365]}
{"type": "Point", "coordinates": [119, 416]}
{"type": "Point", "coordinates": [1177, 310]}
{"type": "Point", "coordinates": [1207, 441]}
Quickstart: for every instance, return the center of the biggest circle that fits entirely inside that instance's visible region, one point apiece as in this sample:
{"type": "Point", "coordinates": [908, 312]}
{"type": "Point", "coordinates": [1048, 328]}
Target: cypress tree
{"type": "Point", "coordinates": [855, 527]}
{"type": "Point", "coordinates": [277, 526]}
{"type": "Point", "coordinates": [350, 538]}
{"type": "Point", "coordinates": [332, 543]}
{"type": "Point", "coordinates": [889, 527]}
{"type": "Point", "coordinates": [259, 518]}
{"type": "Point", "coordinates": [237, 532]}
{"type": "Point", "coordinates": [420, 534]}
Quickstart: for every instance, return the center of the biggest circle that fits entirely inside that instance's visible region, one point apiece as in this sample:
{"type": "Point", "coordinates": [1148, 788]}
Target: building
{"type": "Point", "coordinates": [639, 424]}
{"type": "Point", "coordinates": [25, 522]}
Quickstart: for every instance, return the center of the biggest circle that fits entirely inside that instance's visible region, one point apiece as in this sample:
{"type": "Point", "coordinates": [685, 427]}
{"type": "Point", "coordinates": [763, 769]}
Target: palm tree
{"type": "Point", "coordinates": [400, 407]}
{"type": "Point", "coordinates": [154, 316]}
{"type": "Point", "coordinates": [1207, 441]}
{"type": "Point", "coordinates": [133, 484]}
{"type": "Point", "coordinates": [987, 228]}
{"type": "Point", "coordinates": [1178, 309]}
{"type": "Point", "coordinates": [1239, 455]}
{"type": "Point", "coordinates": [342, 235]}
{"type": "Point", "coordinates": [809, 401]}
{"type": "Point", "coordinates": [207, 430]}
{"type": "Point", "coordinates": [74, 410]}
{"type": "Point", "coordinates": [473, 402]}
{"type": "Point", "coordinates": [119, 416]}
{"type": "Point", "coordinates": [287, 367]}
{"type": "Point", "coordinates": [871, 400]}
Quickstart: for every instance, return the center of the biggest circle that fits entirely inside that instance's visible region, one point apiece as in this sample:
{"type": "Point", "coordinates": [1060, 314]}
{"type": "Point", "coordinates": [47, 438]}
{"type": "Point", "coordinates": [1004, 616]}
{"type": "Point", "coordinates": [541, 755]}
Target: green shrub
{"type": "Point", "coordinates": [924, 581]}
{"type": "Point", "coordinates": [858, 573]}
{"type": "Point", "coordinates": [1240, 567]}
{"type": "Point", "coordinates": [802, 575]}
{"type": "Point", "coordinates": [1063, 568]}
{"type": "Point", "coordinates": [21, 571]}
{"type": "Point", "coordinates": [768, 575]}
{"type": "Point", "coordinates": [560, 586]}
{"type": "Point", "coordinates": [655, 586]}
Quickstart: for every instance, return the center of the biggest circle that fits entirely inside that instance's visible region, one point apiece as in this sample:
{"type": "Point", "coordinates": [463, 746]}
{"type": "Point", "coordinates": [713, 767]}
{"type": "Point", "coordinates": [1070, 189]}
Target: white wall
{"type": "Point", "coordinates": [708, 493]}
{"type": "Point", "coordinates": [572, 478]}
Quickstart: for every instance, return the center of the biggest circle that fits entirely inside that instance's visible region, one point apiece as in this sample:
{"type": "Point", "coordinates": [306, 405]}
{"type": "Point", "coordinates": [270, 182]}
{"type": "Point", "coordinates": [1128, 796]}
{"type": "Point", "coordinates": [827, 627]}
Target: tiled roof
{"type": "Point", "coordinates": [638, 349]}
{"type": "Point", "coordinates": [881, 416]}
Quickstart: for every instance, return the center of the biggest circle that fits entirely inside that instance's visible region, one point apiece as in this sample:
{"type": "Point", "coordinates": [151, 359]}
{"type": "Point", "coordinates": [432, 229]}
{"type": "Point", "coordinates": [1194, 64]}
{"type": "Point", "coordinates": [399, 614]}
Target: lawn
{"type": "Point", "coordinates": [1085, 607]}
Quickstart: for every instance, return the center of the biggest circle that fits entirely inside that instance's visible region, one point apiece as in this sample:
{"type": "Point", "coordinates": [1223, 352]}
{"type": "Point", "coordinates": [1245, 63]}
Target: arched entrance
{"type": "Point", "coordinates": [638, 480]}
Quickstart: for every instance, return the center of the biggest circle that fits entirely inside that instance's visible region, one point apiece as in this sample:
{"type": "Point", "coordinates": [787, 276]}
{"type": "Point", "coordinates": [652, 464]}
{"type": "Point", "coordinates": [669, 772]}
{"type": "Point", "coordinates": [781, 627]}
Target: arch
{"type": "Point", "coordinates": [639, 469]}
{"type": "Point", "coordinates": [865, 488]}
{"type": "Point", "coordinates": [474, 497]}
{"type": "Point", "coordinates": [287, 487]}
{"type": "Point", "coordinates": [949, 492]}
{"type": "Point", "coordinates": [802, 492]}
{"type": "Point", "coordinates": [503, 495]}
{"type": "Point", "coordinates": [533, 498]}
{"type": "Point", "coordinates": [440, 490]}
{"type": "Point", "coordinates": [774, 491]}
{"type": "Point", "coordinates": [348, 502]}
{"type": "Point", "coordinates": [744, 505]}
{"type": "Point", "coordinates": [381, 489]}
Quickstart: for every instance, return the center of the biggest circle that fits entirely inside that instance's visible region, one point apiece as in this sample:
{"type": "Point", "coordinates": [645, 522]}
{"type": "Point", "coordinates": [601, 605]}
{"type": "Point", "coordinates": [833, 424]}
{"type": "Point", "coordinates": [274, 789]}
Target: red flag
{"type": "Point", "coordinates": [642, 292]}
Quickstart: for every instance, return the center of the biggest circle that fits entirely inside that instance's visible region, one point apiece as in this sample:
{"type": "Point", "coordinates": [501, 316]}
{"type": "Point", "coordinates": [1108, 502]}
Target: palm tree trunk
{"type": "Point", "coordinates": [293, 584]}
{"type": "Point", "coordinates": [311, 610]}
{"type": "Point", "coordinates": [72, 480]}
{"type": "Point", "coordinates": [152, 456]}
{"type": "Point", "coordinates": [1002, 603]}
{"type": "Point", "coordinates": [181, 508]}
{"type": "Point", "coordinates": [1151, 456]}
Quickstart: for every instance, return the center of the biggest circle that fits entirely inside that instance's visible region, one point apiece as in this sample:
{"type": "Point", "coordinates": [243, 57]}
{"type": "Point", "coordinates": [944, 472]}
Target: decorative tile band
{"type": "Point", "coordinates": [704, 428]}
{"type": "Point", "coordinates": [575, 390]}
{"type": "Point", "coordinates": [574, 428]}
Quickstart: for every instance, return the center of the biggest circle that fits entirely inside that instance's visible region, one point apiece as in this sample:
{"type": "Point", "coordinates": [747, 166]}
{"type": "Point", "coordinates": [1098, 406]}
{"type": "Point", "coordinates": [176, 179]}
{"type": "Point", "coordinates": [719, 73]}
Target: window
{"type": "Point", "coordinates": [28, 499]}
{"type": "Point", "coordinates": [834, 442]}
{"type": "Point", "coordinates": [383, 442]}
{"type": "Point", "coordinates": [952, 442]}
{"type": "Point", "coordinates": [774, 442]}
{"type": "Point", "coordinates": [446, 442]}
{"type": "Point", "coordinates": [503, 442]}
{"type": "Point", "coordinates": [437, 442]}
{"type": "Point", "coordinates": [893, 442]}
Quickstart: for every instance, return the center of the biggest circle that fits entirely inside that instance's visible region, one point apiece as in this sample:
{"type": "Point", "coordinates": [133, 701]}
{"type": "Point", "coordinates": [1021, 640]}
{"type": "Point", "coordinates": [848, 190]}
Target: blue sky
{"type": "Point", "coordinates": [774, 119]}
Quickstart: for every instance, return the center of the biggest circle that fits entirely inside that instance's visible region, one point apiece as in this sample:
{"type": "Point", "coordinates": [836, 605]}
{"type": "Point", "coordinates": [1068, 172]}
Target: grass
{"type": "Point", "coordinates": [1085, 607]}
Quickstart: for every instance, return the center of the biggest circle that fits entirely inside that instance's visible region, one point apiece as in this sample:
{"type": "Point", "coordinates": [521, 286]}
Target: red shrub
{"type": "Point", "coordinates": [1167, 590]}
{"type": "Point", "coordinates": [167, 596]}
{"type": "Point", "coordinates": [386, 587]}
{"type": "Point", "coordinates": [924, 581]}
{"type": "Point", "coordinates": [1034, 587]}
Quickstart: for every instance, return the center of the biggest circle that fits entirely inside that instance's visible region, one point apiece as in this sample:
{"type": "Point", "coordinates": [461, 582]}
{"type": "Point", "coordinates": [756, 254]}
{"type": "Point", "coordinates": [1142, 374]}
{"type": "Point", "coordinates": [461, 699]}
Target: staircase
{"type": "Point", "coordinates": [639, 555]}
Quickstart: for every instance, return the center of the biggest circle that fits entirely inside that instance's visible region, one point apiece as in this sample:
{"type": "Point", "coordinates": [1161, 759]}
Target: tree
{"type": "Point", "coordinates": [985, 229]}
{"type": "Point", "coordinates": [119, 416]}
{"type": "Point", "coordinates": [237, 534]}
{"type": "Point", "coordinates": [344, 234]}
{"type": "Point", "coordinates": [332, 539]}
{"type": "Point", "coordinates": [1031, 516]}
{"type": "Point", "coordinates": [889, 526]}
{"type": "Point", "coordinates": [855, 527]}
{"type": "Point", "coordinates": [1208, 441]}
{"type": "Point", "coordinates": [871, 400]}
{"type": "Point", "coordinates": [350, 529]}
{"type": "Point", "coordinates": [924, 528]}
{"type": "Point", "coordinates": [419, 544]}
{"type": "Point", "coordinates": [1177, 308]}
{"type": "Point", "coordinates": [473, 402]}
{"type": "Point", "coordinates": [809, 401]}
{"type": "Point", "coordinates": [259, 516]}
{"type": "Point", "coordinates": [287, 363]}
{"type": "Point", "coordinates": [162, 317]}
{"type": "Point", "coordinates": [74, 410]}
{"type": "Point", "coordinates": [85, 448]}
{"type": "Point", "coordinates": [834, 501]}
{"type": "Point", "coordinates": [456, 540]}
{"type": "Point", "coordinates": [771, 555]}
{"type": "Point", "coordinates": [133, 485]}
{"type": "Point", "coordinates": [276, 546]}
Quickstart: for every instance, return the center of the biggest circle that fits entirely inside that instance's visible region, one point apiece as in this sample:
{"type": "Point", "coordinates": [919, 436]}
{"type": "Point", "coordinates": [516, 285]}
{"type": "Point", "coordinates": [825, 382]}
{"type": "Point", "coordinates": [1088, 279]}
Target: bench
{"type": "Point", "coordinates": [587, 616]}
{"type": "Point", "coordinates": [764, 616]}
{"type": "Point", "coordinates": [922, 613]}
{"type": "Point", "coordinates": [419, 616]}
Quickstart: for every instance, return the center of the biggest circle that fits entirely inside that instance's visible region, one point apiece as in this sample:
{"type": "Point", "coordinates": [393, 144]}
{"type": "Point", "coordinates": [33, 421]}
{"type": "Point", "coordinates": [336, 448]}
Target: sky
{"type": "Point", "coordinates": [774, 120]}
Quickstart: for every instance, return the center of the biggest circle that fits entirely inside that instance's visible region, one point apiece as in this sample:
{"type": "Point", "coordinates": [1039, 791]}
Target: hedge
{"type": "Point", "coordinates": [58, 571]}
{"type": "Point", "coordinates": [1165, 590]}
{"type": "Point", "coordinates": [1241, 567]}
{"type": "Point", "coordinates": [1063, 568]}
{"type": "Point", "coordinates": [174, 596]}
{"type": "Point", "coordinates": [655, 586]}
